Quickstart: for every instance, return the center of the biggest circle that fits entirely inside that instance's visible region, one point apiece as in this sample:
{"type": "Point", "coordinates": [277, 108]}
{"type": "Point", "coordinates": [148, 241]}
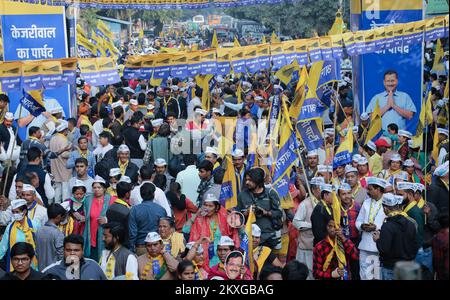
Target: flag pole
{"type": "Point", "coordinates": [12, 151]}
{"type": "Point", "coordinates": [426, 155]}
{"type": "Point", "coordinates": [303, 165]}
{"type": "Point", "coordinates": [336, 101]}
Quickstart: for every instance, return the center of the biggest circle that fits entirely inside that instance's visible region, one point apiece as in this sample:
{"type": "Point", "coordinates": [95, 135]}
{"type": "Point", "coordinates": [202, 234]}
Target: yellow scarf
{"type": "Point", "coordinates": [111, 191]}
{"type": "Point", "coordinates": [342, 262]}
{"type": "Point", "coordinates": [124, 203]}
{"type": "Point", "coordinates": [326, 207]}
{"type": "Point", "coordinates": [149, 265]}
{"type": "Point", "coordinates": [83, 154]}
{"type": "Point", "coordinates": [28, 231]}
{"type": "Point", "coordinates": [197, 271]}
{"type": "Point", "coordinates": [262, 253]}
{"type": "Point", "coordinates": [410, 206]}
{"type": "Point", "coordinates": [67, 229]}
{"type": "Point", "coordinates": [421, 203]}
{"type": "Point", "coordinates": [109, 130]}
{"type": "Point", "coordinates": [358, 187]}
{"type": "Point", "coordinates": [110, 266]}
{"type": "Point", "coordinates": [373, 215]}
{"type": "Point", "coordinates": [345, 211]}
{"type": "Point", "coordinates": [396, 213]}
{"type": "Point", "coordinates": [123, 167]}
{"type": "Point", "coordinates": [176, 241]}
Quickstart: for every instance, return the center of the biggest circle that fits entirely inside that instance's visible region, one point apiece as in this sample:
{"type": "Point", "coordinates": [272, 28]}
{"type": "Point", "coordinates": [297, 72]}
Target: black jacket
{"type": "Point", "coordinates": [132, 171]}
{"type": "Point", "coordinates": [438, 194]}
{"type": "Point", "coordinates": [120, 213]}
{"type": "Point", "coordinates": [5, 136]}
{"type": "Point", "coordinates": [132, 135]}
{"type": "Point", "coordinates": [398, 241]}
{"type": "Point", "coordinates": [319, 222]}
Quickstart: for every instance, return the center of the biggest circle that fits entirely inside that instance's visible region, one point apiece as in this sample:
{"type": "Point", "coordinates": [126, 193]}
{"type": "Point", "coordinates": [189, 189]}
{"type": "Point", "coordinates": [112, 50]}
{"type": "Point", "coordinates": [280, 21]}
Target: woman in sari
{"type": "Point", "coordinates": [173, 241]}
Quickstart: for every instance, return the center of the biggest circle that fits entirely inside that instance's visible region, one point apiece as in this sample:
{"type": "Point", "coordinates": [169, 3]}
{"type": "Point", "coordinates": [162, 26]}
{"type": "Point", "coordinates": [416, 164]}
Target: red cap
{"type": "Point", "coordinates": [382, 143]}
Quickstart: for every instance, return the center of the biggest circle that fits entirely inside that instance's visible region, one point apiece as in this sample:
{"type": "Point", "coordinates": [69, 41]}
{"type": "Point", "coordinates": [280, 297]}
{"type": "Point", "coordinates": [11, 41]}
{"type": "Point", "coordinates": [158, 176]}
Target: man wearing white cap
{"type": "Point", "coordinates": [36, 212]}
{"type": "Point", "coordinates": [326, 172]}
{"type": "Point", "coordinates": [313, 162]}
{"type": "Point", "coordinates": [8, 141]}
{"type": "Point", "coordinates": [238, 158]}
{"type": "Point", "coordinates": [132, 108]}
{"type": "Point", "coordinates": [363, 171]}
{"type": "Point", "coordinates": [404, 137]}
{"type": "Point", "coordinates": [443, 145]}
{"type": "Point", "coordinates": [157, 263]}
{"type": "Point", "coordinates": [395, 169]}
{"type": "Point", "coordinates": [370, 219]}
{"type": "Point", "coordinates": [396, 240]}
{"type": "Point", "coordinates": [262, 255]}
{"type": "Point", "coordinates": [61, 175]}
{"type": "Point", "coordinates": [20, 230]}
{"type": "Point", "coordinates": [359, 193]}
{"type": "Point", "coordinates": [322, 213]}
{"type": "Point", "coordinates": [438, 193]}
{"type": "Point", "coordinates": [302, 221]}
{"type": "Point", "coordinates": [162, 169]}
{"type": "Point", "coordinates": [410, 168]}
{"type": "Point", "coordinates": [363, 128]}
{"type": "Point", "coordinates": [125, 165]}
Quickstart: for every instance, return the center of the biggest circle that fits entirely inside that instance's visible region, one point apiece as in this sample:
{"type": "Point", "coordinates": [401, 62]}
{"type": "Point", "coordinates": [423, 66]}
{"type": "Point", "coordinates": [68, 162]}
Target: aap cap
{"type": "Point", "coordinates": [152, 237]}
{"type": "Point", "coordinates": [313, 153]}
{"type": "Point", "coordinates": [123, 149]}
{"type": "Point", "coordinates": [442, 170]}
{"type": "Point", "coordinates": [18, 203]}
{"type": "Point", "coordinates": [134, 102]}
{"type": "Point", "coordinates": [399, 199]}
{"type": "Point", "coordinates": [329, 132]}
{"type": "Point", "coordinates": [99, 179]}
{"type": "Point", "coordinates": [115, 104]}
{"type": "Point", "coordinates": [317, 181]}
{"type": "Point", "coordinates": [356, 157]}
{"type": "Point", "coordinates": [256, 231]}
{"type": "Point", "coordinates": [371, 145]}
{"type": "Point", "coordinates": [396, 157]}
{"type": "Point", "coordinates": [150, 107]}
{"type": "Point", "coordinates": [114, 172]}
{"type": "Point", "coordinates": [160, 162]}
{"type": "Point", "coordinates": [363, 161]}
{"type": "Point", "coordinates": [66, 205]}
{"type": "Point", "coordinates": [402, 176]}
{"type": "Point", "coordinates": [9, 116]}
{"type": "Point", "coordinates": [408, 163]}
{"type": "Point", "coordinates": [419, 187]}
{"type": "Point", "coordinates": [345, 187]}
{"type": "Point", "coordinates": [405, 133]}
{"type": "Point", "coordinates": [364, 116]}
{"type": "Point", "coordinates": [376, 181]}
{"type": "Point", "coordinates": [79, 183]}
{"type": "Point", "coordinates": [28, 188]}
{"type": "Point", "coordinates": [174, 88]}
{"type": "Point", "coordinates": [327, 188]}
{"type": "Point", "coordinates": [157, 122]}
{"type": "Point", "coordinates": [216, 111]}
{"type": "Point", "coordinates": [56, 110]}
{"type": "Point", "coordinates": [226, 241]}
{"type": "Point", "coordinates": [201, 112]}
{"type": "Point", "coordinates": [211, 198]}
{"type": "Point", "coordinates": [211, 150]}
{"type": "Point", "coordinates": [125, 179]}
{"type": "Point", "coordinates": [350, 169]}
{"type": "Point", "coordinates": [62, 126]}
{"type": "Point", "coordinates": [191, 244]}
{"type": "Point", "coordinates": [237, 153]}
{"type": "Point", "coordinates": [443, 131]}
{"type": "Point", "coordinates": [389, 200]}
{"type": "Point", "coordinates": [355, 129]}
{"type": "Point", "coordinates": [324, 169]}
{"type": "Point", "coordinates": [404, 186]}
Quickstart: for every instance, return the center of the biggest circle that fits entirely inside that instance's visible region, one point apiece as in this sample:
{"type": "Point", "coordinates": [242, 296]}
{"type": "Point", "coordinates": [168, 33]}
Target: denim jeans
{"type": "Point", "coordinates": [425, 257]}
{"type": "Point", "coordinates": [387, 274]}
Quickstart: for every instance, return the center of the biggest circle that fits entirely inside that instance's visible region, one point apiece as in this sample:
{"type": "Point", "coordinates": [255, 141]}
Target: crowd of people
{"type": "Point", "coordinates": [132, 187]}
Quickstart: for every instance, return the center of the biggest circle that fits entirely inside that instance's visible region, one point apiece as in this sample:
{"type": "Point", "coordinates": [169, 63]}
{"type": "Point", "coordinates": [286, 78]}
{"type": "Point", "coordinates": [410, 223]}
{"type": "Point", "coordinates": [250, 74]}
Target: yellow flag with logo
{"type": "Point", "coordinates": [274, 38]}
{"type": "Point", "coordinates": [295, 109]}
{"type": "Point", "coordinates": [375, 129]}
{"type": "Point", "coordinates": [264, 40]}
{"type": "Point", "coordinates": [438, 65]}
{"type": "Point", "coordinates": [236, 42]}
{"type": "Point", "coordinates": [214, 42]}
{"type": "Point", "coordinates": [285, 73]}
{"type": "Point", "coordinates": [338, 25]}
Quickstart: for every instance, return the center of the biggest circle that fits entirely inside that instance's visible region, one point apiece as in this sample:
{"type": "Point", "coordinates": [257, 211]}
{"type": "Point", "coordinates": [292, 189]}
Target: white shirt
{"type": "Point", "coordinates": [367, 242]}
{"type": "Point", "coordinates": [160, 198]}
{"type": "Point", "coordinates": [441, 158]}
{"type": "Point", "coordinates": [189, 181]}
{"type": "Point", "coordinates": [131, 267]}
{"type": "Point", "coordinates": [97, 129]}
{"type": "Point", "coordinates": [40, 215]}
{"type": "Point", "coordinates": [142, 143]}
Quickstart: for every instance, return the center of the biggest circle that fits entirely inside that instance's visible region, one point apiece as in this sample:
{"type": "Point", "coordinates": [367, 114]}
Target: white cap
{"type": "Point", "coordinates": [201, 111]}
{"type": "Point", "coordinates": [66, 205]}
{"type": "Point", "coordinates": [403, 186]}
{"type": "Point", "coordinates": [327, 188]}
{"type": "Point", "coordinates": [114, 172]}
{"type": "Point", "coordinates": [159, 89]}
{"type": "Point", "coordinates": [376, 181]}
{"type": "Point", "coordinates": [372, 146]}
{"type": "Point", "coordinates": [211, 150]}
{"type": "Point", "coordinates": [363, 161]}
{"type": "Point", "coordinates": [419, 187]}
{"type": "Point", "coordinates": [345, 187]}
{"type": "Point", "coordinates": [355, 129]}
{"type": "Point", "coordinates": [99, 179]}
{"type": "Point", "coordinates": [9, 116]}
{"type": "Point", "coordinates": [160, 162]}
{"type": "Point", "coordinates": [364, 116]}
{"type": "Point", "coordinates": [350, 169]}
{"type": "Point", "coordinates": [442, 170]}
{"type": "Point", "coordinates": [211, 198]}
{"type": "Point", "coordinates": [216, 111]}
{"type": "Point", "coordinates": [408, 163]}
{"type": "Point", "coordinates": [399, 199]}
{"type": "Point", "coordinates": [356, 157]}
{"type": "Point", "coordinates": [225, 241]}
{"type": "Point", "coordinates": [402, 176]}
{"type": "Point", "coordinates": [123, 148]}
{"type": "Point", "coordinates": [237, 153]}
{"type": "Point", "coordinates": [313, 153]}
{"type": "Point", "coordinates": [62, 126]}
{"type": "Point", "coordinates": [411, 144]}
{"type": "Point", "coordinates": [396, 157]}
{"type": "Point", "coordinates": [259, 98]}
{"type": "Point", "coordinates": [317, 181]}
{"type": "Point", "coordinates": [389, 200]}
{"type": "Point", "coordinates": [191, 244]}
{"type": "Point", "coordinates": [56, 110]}
{"type": "Point", "coordinates": [78, 183]}
{"type": "Point", "coordinates": [125, 179]}
{"type": "Point", "coordinates": [324, 168]}
{"type": "Point", "coordinates": [329, 132]}
{"type": "Point", "coordinates": [443, 131]}
{"type": "Point", "coordinates": [28, 188]}
{"type": "Point", "coordinates": [246, 83]}
{"type": "Point", "coordinates": [405, 133]}
{"type": "Point", "coordinates": [174, 88]}
{"type": "Point", "coordinates": [134, 102]}
{"type": "Point", "coordinates": [152, 237]}
{"type": "Point", "coordinates": [116, 104]}
{"type": "Point", "coordinates": [157, 122]}
{"type": "Point", "coordinates": [18, 203]}
{"type": "Point", "coordinates": [256, 231]}
{"type": "Point", "coordinates": [150, 107]}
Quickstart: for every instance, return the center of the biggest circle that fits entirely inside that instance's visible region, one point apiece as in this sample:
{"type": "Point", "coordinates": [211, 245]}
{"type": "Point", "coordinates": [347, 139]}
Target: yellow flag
{"type": "Point", "coordinates": [338, 25]}
{"type": "Point", "coordinates": [294, 111]}
{"type": "Point", "coordinates": [229, 185]}
{"type": "Point", "coordinates": [446, 90]}
{"type": "Point", "coordinates": [182, 47]}
{"type": "Point", "coordinates": [435, 151]}
{"type": "Point", "coordinates": [264, 40]}
{"type": "Point", "coordinates": [248, 230]}
{"type": "Point", "coordinates": [438, 65]}
{"type": "Point", "coordinates": [429, 109]}
{"type": "Point", "coordinates": [314, 75]}
{"type": "Point", "coordinates": [286, 72]}
{"type": "Point", "coordinates": [141, 34]}
{"type": "Point", "coordinates": [203, 82]}
{"type": "Point", "coordinates": [155, 82]}
{"type": "Point", "coordinates": [418, 138]}
{"type": "Point", "coordinates": [239, 93]}
{"type": "Point", "coordinates": [274, 38]}
{"type": "Point", "coordinates": [375, 129]}
{"type": "Point", "coordinates": [214, 42]}
{"type": "Point", "coordinates": [236, 42]}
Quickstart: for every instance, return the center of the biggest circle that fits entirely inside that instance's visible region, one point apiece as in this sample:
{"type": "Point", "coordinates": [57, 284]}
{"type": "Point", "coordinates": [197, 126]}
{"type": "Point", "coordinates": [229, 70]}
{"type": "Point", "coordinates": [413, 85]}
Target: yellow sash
{"type": "Point", "coordinates": [149, 265]}
{"type": "Point", "coordinates": [263, 253]}
{"type": "Point", "coordinates": [120, 201]}
{"type": "Point", "coordinates": [110, 265]}
{"type": "Point", "coordinates": [67, 229]}
{"type": "Point", "coordinates": [421, 203]}
{"type": "Point", "coordinates": [28, 231]}
{"type": "Point", "coordinates": [123, 167]}
{"type": "Point", "coordinates": [326, 207]}
{"type": "Point", "coordinates": [410, 206]}
{"type": "Point", "coordinates": [339, 254]}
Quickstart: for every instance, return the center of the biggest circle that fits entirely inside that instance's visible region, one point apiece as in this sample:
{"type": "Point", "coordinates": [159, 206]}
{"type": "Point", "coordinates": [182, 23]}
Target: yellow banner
{"type": "Point", "coordinates": [51, 67]}
{"type": "Point", "coordinates": [88, 65]}
{"type": "Point", "coordinates": [31, 68]}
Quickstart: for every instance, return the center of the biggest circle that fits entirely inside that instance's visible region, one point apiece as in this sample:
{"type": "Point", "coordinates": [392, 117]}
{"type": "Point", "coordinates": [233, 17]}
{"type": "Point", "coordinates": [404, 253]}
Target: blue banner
{"type": "Point", "coordinates": [310, 134]}
{"type": "Point", "coordinates": [402, 56]}
{"type": "Point", "coordinates": [312, 108]}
